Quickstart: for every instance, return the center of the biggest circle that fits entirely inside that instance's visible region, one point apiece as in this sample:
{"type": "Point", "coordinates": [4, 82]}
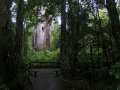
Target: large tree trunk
{"type": "Point", "coordinates": [3, 23]}
{"type": "Point", "coordinates": [19, 29]}
{"type": "Point", "coordinates": [74, 29]}
{"type": "Point", "coordinates": [3, 18]}
{"type": "Point", "coordinates": [48, 36]}
{"type": "Point", "coordinates": [63, 31]}
{"type": "Point", "coordinates": [7, 60]}
{"type": "Point", "coordinates": [41, 32]}
{"type": "Point", "coordinates": [114, 18]}
{"type": "Point", "coordinates": [41, 36]}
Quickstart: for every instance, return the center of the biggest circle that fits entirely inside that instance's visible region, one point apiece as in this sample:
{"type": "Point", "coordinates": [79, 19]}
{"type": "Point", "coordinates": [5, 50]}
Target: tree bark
{"type": "Point", "coordinates": [63, 31]}
{"type": "Point", "coordinates": [3, 19]}
{"type": "Point", "coordinates": [3, 23]}
{"type": "Point", "coordinates": [19, 28]}
{"type": "Point", "coordinates": [115, 25]}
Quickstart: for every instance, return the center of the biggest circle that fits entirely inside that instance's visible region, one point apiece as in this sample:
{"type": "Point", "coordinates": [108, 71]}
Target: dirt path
{"type": "Point", "coordinates": [46, 79]}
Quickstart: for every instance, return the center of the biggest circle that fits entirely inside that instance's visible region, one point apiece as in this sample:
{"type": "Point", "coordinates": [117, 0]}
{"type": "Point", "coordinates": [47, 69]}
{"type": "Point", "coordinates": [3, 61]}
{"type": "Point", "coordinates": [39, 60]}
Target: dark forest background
{"type": "Point", "coordinates": [87, 41]}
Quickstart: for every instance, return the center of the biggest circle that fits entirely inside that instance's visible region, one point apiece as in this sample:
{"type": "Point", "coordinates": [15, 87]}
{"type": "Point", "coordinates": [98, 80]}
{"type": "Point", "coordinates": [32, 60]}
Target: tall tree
{"type": "Point", "coordinates": [3, 19]}
{"type": "Point", "coordinates": [19, 28]}
{"type": "Point", "coordinates": [114, 19]}
{"type": "Point", "coordinates": [63, 30]}
{"type": "Point", "coordinates": [3, 22]}
{"type": "Point", "coordinates": [7, 54]}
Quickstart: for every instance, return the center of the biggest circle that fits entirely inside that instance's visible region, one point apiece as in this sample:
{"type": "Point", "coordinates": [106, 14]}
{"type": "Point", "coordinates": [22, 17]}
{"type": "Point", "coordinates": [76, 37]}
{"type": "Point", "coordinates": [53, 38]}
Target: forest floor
{"type": "Point", "coordinates": [46, 79]}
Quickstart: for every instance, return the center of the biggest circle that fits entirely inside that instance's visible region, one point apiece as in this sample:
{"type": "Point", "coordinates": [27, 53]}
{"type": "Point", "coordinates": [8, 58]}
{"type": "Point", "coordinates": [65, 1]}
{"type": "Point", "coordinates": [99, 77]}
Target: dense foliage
{"type": "Point", "coordinates": [87, 43]}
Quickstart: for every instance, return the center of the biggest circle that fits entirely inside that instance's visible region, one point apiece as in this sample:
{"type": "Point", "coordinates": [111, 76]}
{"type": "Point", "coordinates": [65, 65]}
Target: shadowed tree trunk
{"type": "Point", "coordinates": [74, 31]}
{"type": "Point", "coordinates": [114, 18]}
{"type": "Point", "coordinates": [7, 45]}
{"type": "Point", "coordinates": [63, 31]}
{"type": "Point", "coordinates": [3, 22]}
{"type": "Point", "coordinates": [19, 29]}
{"type": "Point", "coordinates": [3, 19]}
